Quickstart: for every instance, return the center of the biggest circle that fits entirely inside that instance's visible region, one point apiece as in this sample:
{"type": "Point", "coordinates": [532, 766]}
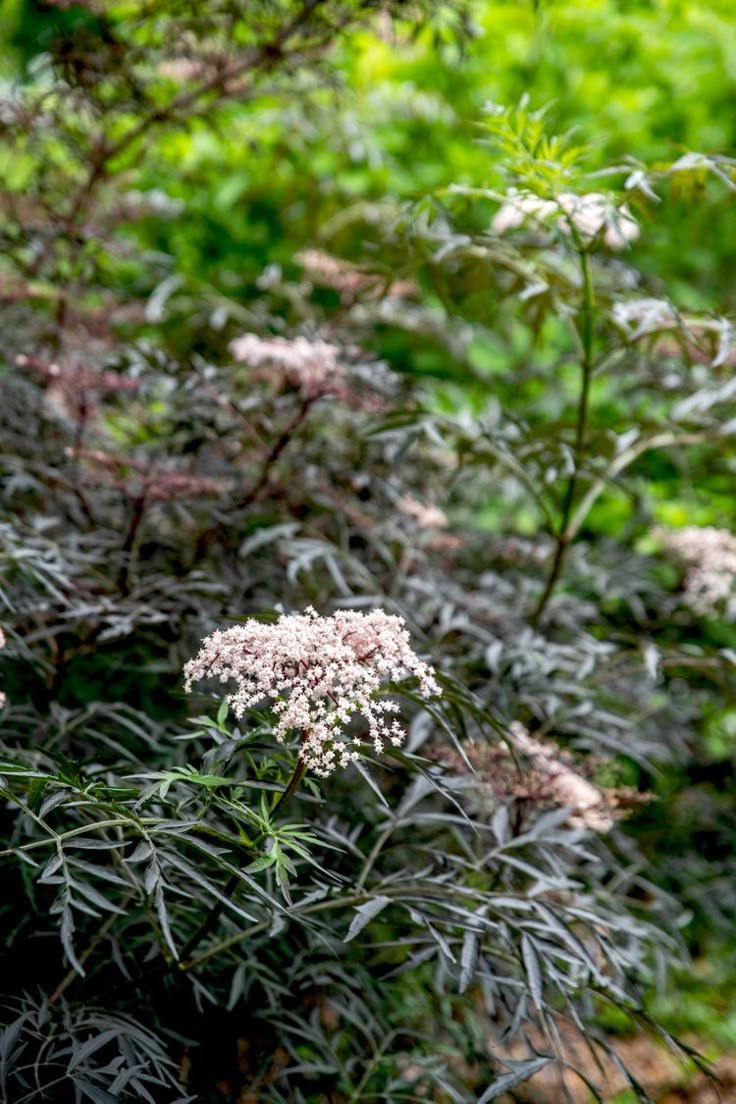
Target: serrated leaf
{"type": "Point", "coordinates": [94, 1092]}
{"type": "Point", "coordinates": [284, 884]}
{"type": "Point", "coordinates": [163, 919]}
{"type": "Point", "coordinates": [8, 1039]}
{"type": "Point", "coordinates": [360, 767]}
{"type": "Point", "coordinates": [51, 867]}
{"type": "Point", "coordinates": [88, 843]}
{"type": "Point", "coordinates": [200, 879]}
{"type": "Point", "coordinates": [364, 914]}
{"type": "Point", "coordinates": [533, 969]}
{"type": "Point", "coordinates": [100, 872]}
{"type": "Point", "coordinates": [468, 958]}
{"type": "Point", "coordinates": [96, 898]}
{"type": "Point", "coordinates": [80, 1053]}
{"type": "Point", "coordinates": [261, 863]}
{"type": "Point", "coordinates": [67, 931]}
{"type": "Point", "coordinates": [51, 802]}
{"type": "Point", "coordinates": [143, 851]}
{"type": "Point", "coordinates": [521, 1073]}
{"type": "Point", "coordinates": [152, 876]}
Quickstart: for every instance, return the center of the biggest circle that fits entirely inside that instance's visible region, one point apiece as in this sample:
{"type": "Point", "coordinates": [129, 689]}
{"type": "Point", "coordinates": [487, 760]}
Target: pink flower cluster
{"type": "Point", "coordinates": [548, 778]}
{"type": "Point", "coordinates": [350, 280]}
{"type": "Point", "coordinates": [590, 215]}
{"type": "Point", "coordinates": [318, 672]}
{"type": "Point", "coordinates": [312, 366]}
{"type": "Point", "coordinates": [590, 806]}
{"type": "Point", "coordinates": [425, 515]}
{"type": "Point", "coordinates": [154, 483]}
{"type": "Point", "coordinates": [710, 557]}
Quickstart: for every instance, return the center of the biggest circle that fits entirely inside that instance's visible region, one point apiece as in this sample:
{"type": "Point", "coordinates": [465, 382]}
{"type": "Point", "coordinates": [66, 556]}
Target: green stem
{"type": "Point", "coordinates": [210, 921]}
{"type": "Point", "coordinates": [72, 975]}
{"type": "Point", "coordinates": [354, 898]}
{"type": "Point", "coordinates": [375, 852]}
{"type": "Point", "coordinates": [587, 340]}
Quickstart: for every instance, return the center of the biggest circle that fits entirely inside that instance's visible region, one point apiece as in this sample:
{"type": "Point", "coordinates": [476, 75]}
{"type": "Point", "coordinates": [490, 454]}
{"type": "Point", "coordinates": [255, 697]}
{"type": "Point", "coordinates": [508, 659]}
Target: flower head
{"type": "Point", "coordinates": [318, 672]}
{"type": "Point", "coordinates": [549, 778]}
{"type": "Point", "coordinates": [589, 215]}
{"type": "Point", "coordinates": [710, 557]}
{"type": "Point", "coordinates": [520, 206]}
{"type": "Point", "coordinates": [644, 316]}
{"type": "Point", "coordinates": [156, 482]}
{"type": "Point", "coordinates": [315, 368]}
{"type": "Point", "coordinates": [350, 280]}
{"type": "Point", "coordinates": [425, 515]}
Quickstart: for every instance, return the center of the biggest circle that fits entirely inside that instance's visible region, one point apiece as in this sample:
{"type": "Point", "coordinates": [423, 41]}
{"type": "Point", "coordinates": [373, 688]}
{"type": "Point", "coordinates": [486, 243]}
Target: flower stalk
{"type": "Point", "coordinates": [210, 921]}
{"type": "Point", "coordinates": [565, 534]}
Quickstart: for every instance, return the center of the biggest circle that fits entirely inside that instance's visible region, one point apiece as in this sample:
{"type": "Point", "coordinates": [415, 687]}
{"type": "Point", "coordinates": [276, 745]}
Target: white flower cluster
{"type": "Point", "coordinates": [318, 672]}
{"type": "Point", "coordinates": [590, 215]}
{"type": "Point", "coordinates": [312, 366]}
{"type": "Point", "coordinates": [710, 557]}
{"type": "Point", "coordinates": [644, 316]}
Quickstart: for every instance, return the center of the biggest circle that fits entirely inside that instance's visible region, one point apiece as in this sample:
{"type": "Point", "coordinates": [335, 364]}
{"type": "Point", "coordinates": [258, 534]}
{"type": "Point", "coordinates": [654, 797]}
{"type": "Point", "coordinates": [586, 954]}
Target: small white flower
{"type": "Point", "coordinates": [520, 206]}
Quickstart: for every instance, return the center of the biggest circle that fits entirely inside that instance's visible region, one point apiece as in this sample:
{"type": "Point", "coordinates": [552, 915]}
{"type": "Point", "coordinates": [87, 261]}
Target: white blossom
{"type": "Point", "coordinates": [518, 207]}
{"type": "Point", "coordinates": [643, 316]}
{"type": "Point", "coordinates": [312, 366]}
{"type": "Point", "coordinates": [710, 557]}
{"type": "Point", "coordinates": [590, 215]}
{"type": "Point", "coordinates": [317, 673]}
{"type": "Point", "coordinates": [182, 69]}
{"type": "Point", "coordinates": [318, 369]}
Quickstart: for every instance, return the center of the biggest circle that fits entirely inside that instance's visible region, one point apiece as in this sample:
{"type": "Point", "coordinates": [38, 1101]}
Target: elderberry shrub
{"type": "Point", "coordinates": [197, 903]}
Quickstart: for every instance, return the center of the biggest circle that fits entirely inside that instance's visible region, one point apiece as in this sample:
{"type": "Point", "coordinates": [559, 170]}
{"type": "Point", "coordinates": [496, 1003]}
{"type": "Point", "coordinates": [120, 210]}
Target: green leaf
{"type": "Point", "coordinates": [261, 863]}
{"type": "Point", "coordinates": [522, 1072]}
{"type": "Point", "coordinates": [364, 914]}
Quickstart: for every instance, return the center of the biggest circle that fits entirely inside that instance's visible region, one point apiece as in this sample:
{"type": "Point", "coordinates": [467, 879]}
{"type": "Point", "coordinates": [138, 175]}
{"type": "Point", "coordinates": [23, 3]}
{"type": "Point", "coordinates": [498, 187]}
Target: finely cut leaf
{"type": "Point", "coordinates": [522, 1072]}
{"type": "Point", "coordinates": [364, 914]}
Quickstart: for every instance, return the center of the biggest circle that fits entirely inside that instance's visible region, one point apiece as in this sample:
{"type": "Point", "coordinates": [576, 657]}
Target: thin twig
{"type": "Point", "coordinates": [136, 517]}
{"type": "Point", "coordinates": [210, 921]}
{"type": "Point", "coordinates": [73, 974]}
{"type": "Point", "coordinates": [274, 453]}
